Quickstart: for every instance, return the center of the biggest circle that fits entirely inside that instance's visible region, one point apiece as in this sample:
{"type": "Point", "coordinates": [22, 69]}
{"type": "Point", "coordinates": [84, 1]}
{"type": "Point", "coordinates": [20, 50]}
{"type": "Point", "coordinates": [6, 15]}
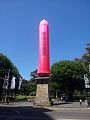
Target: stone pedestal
{"type": "Point", "coordinates": [42, 93]}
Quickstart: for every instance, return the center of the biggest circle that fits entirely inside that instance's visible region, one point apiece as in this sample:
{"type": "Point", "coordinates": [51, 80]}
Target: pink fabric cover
{"type": "Point", "coordinates": [44, 62]}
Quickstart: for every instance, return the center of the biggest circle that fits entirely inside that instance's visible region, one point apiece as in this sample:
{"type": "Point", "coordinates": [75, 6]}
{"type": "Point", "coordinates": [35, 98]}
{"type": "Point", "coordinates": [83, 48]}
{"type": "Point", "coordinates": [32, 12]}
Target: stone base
{"type": "Point", "coordinates": [42, 103]}
{"type": "Point", "coordinates": [42, 93]}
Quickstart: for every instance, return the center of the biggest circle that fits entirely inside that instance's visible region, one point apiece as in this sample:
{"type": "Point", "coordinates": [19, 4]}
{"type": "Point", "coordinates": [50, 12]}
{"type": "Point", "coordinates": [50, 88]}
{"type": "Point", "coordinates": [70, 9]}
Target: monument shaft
{"type": "Point", "coordinates": [44, 62]}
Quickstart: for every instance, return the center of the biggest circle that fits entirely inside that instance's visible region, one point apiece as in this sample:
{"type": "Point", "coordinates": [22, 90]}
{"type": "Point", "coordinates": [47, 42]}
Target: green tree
{"type": "Point", "coordinates": [86, 56]}
{"type": "Point", "coordinates": [6, 66]}
{"type": "Point", "coordinates": [68, 76]}
{"type": "Point", "coordinates": [28, 87]}
{"type": "Point", "coordinates": [24, 87]}
{"type": "Point", "coordinates": [33, 74]}
{"type": "Point", "coordinates": [32, 87]}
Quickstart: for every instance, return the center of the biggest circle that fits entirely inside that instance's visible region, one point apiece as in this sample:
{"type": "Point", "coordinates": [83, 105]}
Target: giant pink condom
{"type": "Point", "coordinates": [44, 62]}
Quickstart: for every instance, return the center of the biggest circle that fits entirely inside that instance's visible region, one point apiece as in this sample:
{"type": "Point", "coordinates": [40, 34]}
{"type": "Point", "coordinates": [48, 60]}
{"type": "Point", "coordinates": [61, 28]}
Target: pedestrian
{"type": "Point", "coordinates": [86, 103]}
{"type": "Point", "coordinates": [61, 100]}
{"type": "Point", "coordinates": [80, 101]}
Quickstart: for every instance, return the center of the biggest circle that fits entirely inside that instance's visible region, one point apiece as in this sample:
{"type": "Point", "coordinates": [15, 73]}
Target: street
{"type": "Point", "coordinates": [25, 111]}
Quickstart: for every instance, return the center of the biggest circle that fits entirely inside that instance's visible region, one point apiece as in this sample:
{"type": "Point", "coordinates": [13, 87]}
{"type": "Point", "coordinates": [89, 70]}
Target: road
{"type": "Point", "coordinates": [21, 111]}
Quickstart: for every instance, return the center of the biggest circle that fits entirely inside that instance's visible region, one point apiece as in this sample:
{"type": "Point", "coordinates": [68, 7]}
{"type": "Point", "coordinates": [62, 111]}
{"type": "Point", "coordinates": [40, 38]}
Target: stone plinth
{"type": "Point", "coordinates": [42, 93]}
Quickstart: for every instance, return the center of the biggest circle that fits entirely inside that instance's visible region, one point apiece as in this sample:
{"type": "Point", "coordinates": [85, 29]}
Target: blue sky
{"type": "Point", "coordinates": [69, 23]}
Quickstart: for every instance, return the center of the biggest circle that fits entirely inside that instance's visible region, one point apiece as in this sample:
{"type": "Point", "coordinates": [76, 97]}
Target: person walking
{"type": "Point", "coordinates": [86, 103]}
{"type": "Point", "coordinates": [80, 101]}
{"type": "Point", "coordinates": [61, 100]}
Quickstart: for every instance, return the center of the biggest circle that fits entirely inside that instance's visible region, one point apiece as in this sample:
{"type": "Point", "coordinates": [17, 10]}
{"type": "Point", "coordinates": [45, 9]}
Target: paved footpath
{"type": "Point", "coordinates": [55, 105]}
{"type": "Point", "coordinates": [26, 111]}
{"type": "Point", "coordinates": [69, 105]}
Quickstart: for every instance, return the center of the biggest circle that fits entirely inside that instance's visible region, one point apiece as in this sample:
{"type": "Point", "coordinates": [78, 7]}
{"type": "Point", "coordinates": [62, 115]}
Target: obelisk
{"type": "Point", "coordinates": [43, 72]}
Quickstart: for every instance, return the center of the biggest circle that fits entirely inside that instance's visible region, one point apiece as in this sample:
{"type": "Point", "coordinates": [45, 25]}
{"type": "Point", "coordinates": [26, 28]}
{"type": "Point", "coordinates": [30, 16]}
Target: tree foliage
{"type": "Point", "coordinates": [86, 56]}
{"type": "Point", "coordinates": [86, 59]}
{"type": "Point", "coordinates": [5, 65]}
{"type": "Point", "coordinates": [33, 74]}
{"type": "Point", "coordinates": [28, 87]}
{"type": "Point", "coordinates": [68, 75]}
